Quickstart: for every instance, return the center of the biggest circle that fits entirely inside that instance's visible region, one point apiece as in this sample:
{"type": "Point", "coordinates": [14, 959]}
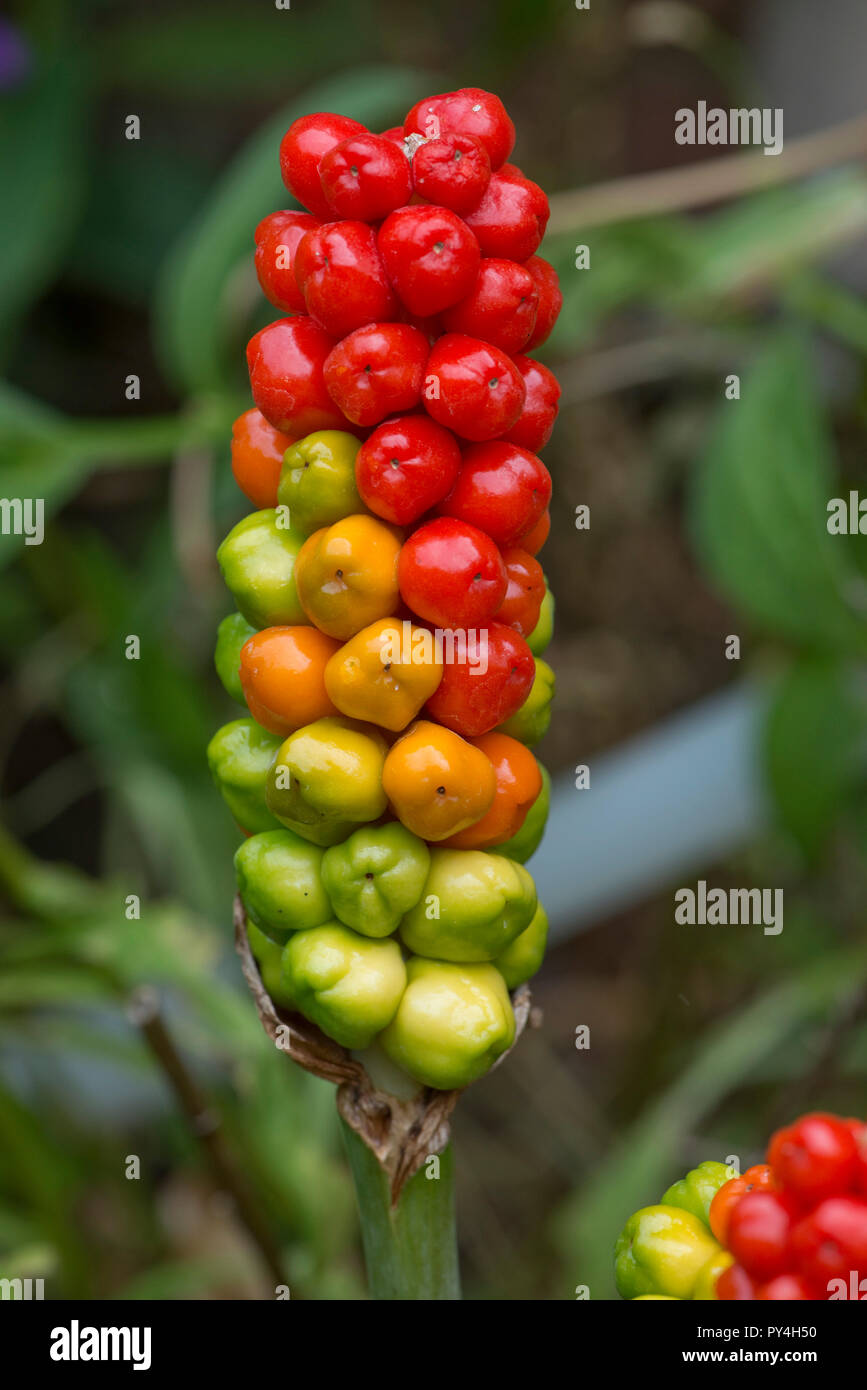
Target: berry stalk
{"type": "Point", "coordinates": [410, 1249]}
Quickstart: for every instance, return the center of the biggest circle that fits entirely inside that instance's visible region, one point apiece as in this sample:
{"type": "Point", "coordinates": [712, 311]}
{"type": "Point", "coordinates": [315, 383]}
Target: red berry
{"type": "Point", "coordinates": [512, 216]}
{"type": "Point", "coordinates": [395, 135]}
{"type": "Point", "coordinates": [452, 172]}
{"type": "Point", "coordinates": [760, 1231]}
{"type": "Point", "coordinates": [277, 238]}
{"type": "Point", "coordinates": [405, 467]}
{"type": "Point", "coordinates": [815, 1157]}
{"type": "Point", "coordinates": [341, 275]}
{"type": "Point", "coordinates": [550, 298]}
{"type": "Point", "coordinates": [831, 1243]}
{"type": "Point", "coordinates": [430, 255]}
{"type": "Point", "coordinates": [365, 177]}
{"type": "Point", "coordinates": [786, 1288]}
{"type": "Point", "coordinates": [286, 361]}
{"type": "Point", "coordinates": [451, 574]}
{"type": "Point", "coordinates": [525, 592]}
{"type": "Point", "coordinates": [469, 111]}
{"type": "Point", "coordinates": [500, 308]}
{"type": "Point", "coordinates": [735, 1284]}
{"type": "Point", "coordinates": [858, 1130]}
{"type": "Point", "coordinates": [533, 427]}
{"type": "Point", "coordinates": [533, 540]}
{"type": "Point", "coordinates": [472, 387]}
{"type": "Point", "coordinates": [501, 488]}
{"type": "Point", "coordinates": [731, 1192]}
{"type": "Point", "coordinates": [430, 326]}
{"type": "Point", "coordinates": [302, 149]}
{"type": "Point", "coordinates": [377, 370]}
{"type": "Point", "coordinates": [470, 701]}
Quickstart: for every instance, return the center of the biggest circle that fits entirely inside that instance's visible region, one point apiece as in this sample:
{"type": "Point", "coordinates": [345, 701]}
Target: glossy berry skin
{"type": "Point", "coordinates": [365, 177]}
{"type": "Point", "coordinates": [760, 1233]}
{"type": "Point", "coordinates": [858, 1130]}
{"type": "Point", "coordinates": [831, 1242]}
{"type": "Point", "coordinates": [472, 388]}
{"type": "Point", "coordinates": [726, 1198]}
{"type": "Point", "coordinates": [286, 362]}
{"type": "Point", "coordinates": [550, 299]}
{"type": "Point", "coordinates": [500, 308]}
{"type": "Point", "coordinates": [533, 540]}
{"type": "Point", "coordinates": [534, 425]}
{"type": "Point", "coordinates": [734, 1284]}
{"type": "Point", "coordinates": [277, 238]}
{"type": "Point", "coordinates": [469, 111]}
{"type": "Point", "coordinates": [511, 218]}
{"type": "Point", "coordinates": [472, 702]}
{"type": "Point", "coordinates": [405, 467]}
{"type": "Point", "coordinates": [502, 488]}
{"type": "Point", "coordinates": [814, 1158]}
{"type": "Point", "coordinates": [524, 592]}
{"type": "Point", "coordinates": [377, 371]}
{"type": "Point", "coordinates": [452, 172]}
{"type": "Point", "coordinates": [786, 1288]}
{"type": "Point", "coordinates": [519, 782]}
{"type": "Point", "coordinates": [340, 273]}
{"type": "Point", "coordinates": [302, 149]}
{"type": "Point", "coordinates": [257, 457]}
{"type": "Point", "coordinates": [282, 676]}
{"type": "Point", "coordinates": [395, 135]}
{"type": "Point", "coordinates": [431, 257]}
{"type": "Point", "coordinates": [451, 574]}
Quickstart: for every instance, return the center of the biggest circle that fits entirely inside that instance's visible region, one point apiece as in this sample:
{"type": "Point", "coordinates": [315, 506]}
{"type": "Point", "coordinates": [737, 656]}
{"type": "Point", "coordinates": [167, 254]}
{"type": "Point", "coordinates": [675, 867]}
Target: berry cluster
{"type": "Point", "coordinates": [393, 456]}
{"type": "Point", "coordinates": [414, 291]}
{"type": "Point", "coordinates": [797, 1225]}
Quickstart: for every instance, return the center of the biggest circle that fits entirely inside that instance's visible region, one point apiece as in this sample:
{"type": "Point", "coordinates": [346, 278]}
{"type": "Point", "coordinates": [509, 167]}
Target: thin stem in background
{"type": "Point", "coordinates": [204, 1122]}
{"type": "Point", "coordinates": [710, 181]}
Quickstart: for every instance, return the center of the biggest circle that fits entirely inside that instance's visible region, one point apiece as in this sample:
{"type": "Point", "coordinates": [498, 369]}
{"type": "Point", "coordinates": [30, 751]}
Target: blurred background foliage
{"type": "Point", "coordinates": [128, 257]}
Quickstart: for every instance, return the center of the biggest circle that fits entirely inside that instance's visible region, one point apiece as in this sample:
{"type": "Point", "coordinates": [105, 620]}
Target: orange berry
{"type": "Point", "coordinates": [283, 677]}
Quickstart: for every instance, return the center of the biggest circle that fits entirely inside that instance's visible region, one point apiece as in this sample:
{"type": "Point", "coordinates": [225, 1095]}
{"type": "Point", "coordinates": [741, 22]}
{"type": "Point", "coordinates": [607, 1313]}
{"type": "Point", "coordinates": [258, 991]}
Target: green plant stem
{"type": "Point", "coordinates": [410, 1249]}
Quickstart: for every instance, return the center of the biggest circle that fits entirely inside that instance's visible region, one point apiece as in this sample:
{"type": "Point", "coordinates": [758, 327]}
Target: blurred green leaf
{"type": "Point", "coordinates": [41, 149]}
{"type": "Point", "coordinates": [759, 509]}
{"type": "Point", "coordinates": [291, 1122]}
{"type": "Point", "coordinates": [45, 1178]}
{"type": "Point", "coordinates": [191, 295]}
{"type": "Point", "coordinates": [766, 237]}
{"type": "Point", "coordinates": [830, 306]}
{"type": "Point", "coordinates": [50, 984]}
{"type": "Point", "coordinates": [814, 749]}
{"type": "Point", "coordinates": [169, 814]}
{"type": "Point", "coordinates": [630, 263]}
{"type": "Point", "coordinates": [44, 890]}
{"type": "Point", "coordinates": [181, 1279]}
{"type": "Point", "coordinates": [139, 198]}
{"type": "Point", "coordinates": [255, 51]}
{"type": "Point", "coordinates": [46, 455]}
{"type": "Point", "coordinates": [690, 268]}
{"type": "Point", "coordinates": [31, 1261]}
